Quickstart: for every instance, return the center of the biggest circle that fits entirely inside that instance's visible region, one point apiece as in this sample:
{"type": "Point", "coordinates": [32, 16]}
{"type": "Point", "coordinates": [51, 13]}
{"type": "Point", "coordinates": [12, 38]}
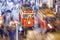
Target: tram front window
{"type": "Point", "coordinates": [50, 19]}
{"type": "Point", "coordinates": [28, 16]}
{"type": "Point", "coordinates": [25, 16]}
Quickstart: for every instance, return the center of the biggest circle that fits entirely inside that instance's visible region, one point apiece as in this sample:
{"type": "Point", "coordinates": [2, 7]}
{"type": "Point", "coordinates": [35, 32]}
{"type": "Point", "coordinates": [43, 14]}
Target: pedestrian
{"type": "Point", "coordinates": [4, 17]}
{"type": "Point", "coordinates": [1, 30]}
{"type": "Point", "coordinates": [11, 34]}
{"type": "Point", "coordinates": [6, 34]}
{"type": "Point", "coordinates": [9, 16]}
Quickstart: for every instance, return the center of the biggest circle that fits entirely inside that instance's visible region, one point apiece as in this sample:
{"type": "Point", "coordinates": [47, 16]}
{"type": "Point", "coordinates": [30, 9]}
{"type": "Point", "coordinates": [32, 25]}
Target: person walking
{"type": "Point", "coordinates": [11, 34]}
{"type": "Point", "coordinates": [6, 34]}
{"type": "Point", "coordinates": [9, 16]}
{"type": "Point", "coordinates": [1, 31]}
{"type": "Point", "coordinates": [4, 17]}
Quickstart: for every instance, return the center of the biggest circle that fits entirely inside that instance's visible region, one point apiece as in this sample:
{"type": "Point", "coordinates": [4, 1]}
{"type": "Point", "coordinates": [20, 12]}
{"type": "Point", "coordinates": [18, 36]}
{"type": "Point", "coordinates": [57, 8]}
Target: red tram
{"type": "Point", "coordinates": [46, 19]}
{"type": "Point", "coordinates": [27, 17]}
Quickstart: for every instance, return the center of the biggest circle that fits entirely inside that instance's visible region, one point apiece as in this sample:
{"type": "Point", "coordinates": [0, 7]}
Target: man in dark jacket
{"type": "Point", "coordinates": [1, 31]}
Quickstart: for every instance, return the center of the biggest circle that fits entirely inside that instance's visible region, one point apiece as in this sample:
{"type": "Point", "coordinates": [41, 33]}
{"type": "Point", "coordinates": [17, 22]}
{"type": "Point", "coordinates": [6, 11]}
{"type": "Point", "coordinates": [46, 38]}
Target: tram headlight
{"type": "Point", "coordinates": [49, 25]}
{"type": "Point", "coordinates": [29, 22]}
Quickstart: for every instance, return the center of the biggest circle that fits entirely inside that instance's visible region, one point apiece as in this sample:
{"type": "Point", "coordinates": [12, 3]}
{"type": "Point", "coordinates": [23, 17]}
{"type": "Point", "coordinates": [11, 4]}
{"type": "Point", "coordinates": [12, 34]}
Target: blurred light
{"type": "Point", "coordinates": [29, 22]}
{"type": "Point", "coordinates": [49, 25]}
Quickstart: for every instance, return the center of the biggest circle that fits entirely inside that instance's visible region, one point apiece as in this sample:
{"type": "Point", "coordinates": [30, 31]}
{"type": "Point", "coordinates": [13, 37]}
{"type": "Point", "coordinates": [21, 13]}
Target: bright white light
{"type": "Point", "coordinates": [20, 29]}
{"type": "Point", "coordinates": [49, 25]}
{"type": "Point", "coordinates": [29, 22]}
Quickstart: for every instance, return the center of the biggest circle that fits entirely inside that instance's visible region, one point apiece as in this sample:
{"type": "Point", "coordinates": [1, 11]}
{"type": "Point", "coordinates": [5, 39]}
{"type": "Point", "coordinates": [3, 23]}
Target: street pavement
{"type": "Point", "coordinates": [4, 38]}
{"type": "Point", "coordinates": [53, 36]}
{"type": "Point", "coordinates": [35, 35]}
{"type": "Point", "coordinates": [47, 36]}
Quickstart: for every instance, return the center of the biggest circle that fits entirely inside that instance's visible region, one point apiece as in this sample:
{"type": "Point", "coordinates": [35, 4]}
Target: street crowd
{"type": "Point", "coordinates": [7, 32]}
{"type": "Point", "coordinates": [9, 11]}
